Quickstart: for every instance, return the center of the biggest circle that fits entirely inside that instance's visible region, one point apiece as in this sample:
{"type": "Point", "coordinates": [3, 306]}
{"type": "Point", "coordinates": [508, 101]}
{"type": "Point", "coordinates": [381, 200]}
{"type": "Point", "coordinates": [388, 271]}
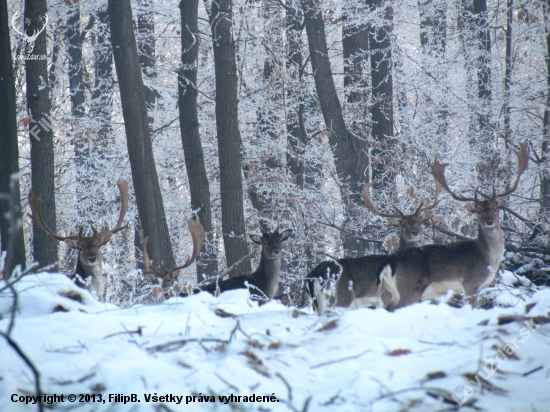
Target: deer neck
{"type": "Point", "coordinates": [406, 244]}
{"type": "Point", "coordinates": [92, 274]}
{"type": "Point", "coordinates": [491, 244]}
{"type": "Point", "coordinates": [267, 275]}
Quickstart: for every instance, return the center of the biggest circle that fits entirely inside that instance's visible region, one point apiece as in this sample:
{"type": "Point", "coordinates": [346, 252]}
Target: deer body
{"type": "Point", "coordinates": [264, 281]}
{"type": "Point", "coordinates": [357, 279]}
{"type": "Point", "coordinates": [466, 266]}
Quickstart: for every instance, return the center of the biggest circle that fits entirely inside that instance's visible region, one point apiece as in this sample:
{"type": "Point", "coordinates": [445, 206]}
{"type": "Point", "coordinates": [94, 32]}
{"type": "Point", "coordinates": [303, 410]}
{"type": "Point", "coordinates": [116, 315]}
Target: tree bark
{"type": "Point", "coordinates": [545, 178]}
{"type": "Point", "coordinates": [138, 138]}
{"type": "Point", "coordinates": [9, 155]}
{"type": "Point", "coordinates": [355, 42]}
{"type": "Point", "coordinates": [296, 132]}
{"type": "Point", "coordinates": [347, 148]}
{"type": "Point", "coordinates": [382, 93]}
{"type": "Point", "coordinates": [41, 133]}
{"type": "Point", "coordinates": [207, 263]}
{"type": "Point", "coordinates": [229, 136]}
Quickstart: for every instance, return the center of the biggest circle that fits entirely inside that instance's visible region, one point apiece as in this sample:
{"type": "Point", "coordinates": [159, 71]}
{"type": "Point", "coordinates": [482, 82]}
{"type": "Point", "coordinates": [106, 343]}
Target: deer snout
{"type": "Point", "coordinates": [92, 259]}
{"type": "Point", "coordinates": [489, 223]}
{"type": "Point", "coordinates": [415, 232]}
{"type": "Point", "coordinates": [276, 252]}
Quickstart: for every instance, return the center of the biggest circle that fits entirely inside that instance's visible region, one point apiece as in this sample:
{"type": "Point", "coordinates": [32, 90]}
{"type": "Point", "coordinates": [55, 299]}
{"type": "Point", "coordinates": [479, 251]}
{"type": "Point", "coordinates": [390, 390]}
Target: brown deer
{"type": "Point", "coordinates": [167, 277]}
{"type": "Point", "coordinates": [357, 278]}
{"type": "Point", "coordinates": [88, 273]}
{"type": "Point", "coordinates": [466, 266]}
{"type": "Point", "coordinates": [264, 281]}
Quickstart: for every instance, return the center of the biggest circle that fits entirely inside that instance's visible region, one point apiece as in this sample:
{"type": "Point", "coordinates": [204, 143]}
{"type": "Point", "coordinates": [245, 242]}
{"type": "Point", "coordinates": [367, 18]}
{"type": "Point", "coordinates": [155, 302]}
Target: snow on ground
{"type": "Point", "coordinates": [419, 358]}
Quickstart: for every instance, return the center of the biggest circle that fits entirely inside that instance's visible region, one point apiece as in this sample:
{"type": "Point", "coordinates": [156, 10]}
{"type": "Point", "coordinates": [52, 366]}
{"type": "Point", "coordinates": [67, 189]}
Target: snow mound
{"type": "Point", "coordinates": [45, 293]}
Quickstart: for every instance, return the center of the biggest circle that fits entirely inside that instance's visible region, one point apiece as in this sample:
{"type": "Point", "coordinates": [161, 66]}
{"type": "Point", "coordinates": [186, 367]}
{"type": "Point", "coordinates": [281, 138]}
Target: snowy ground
{"type": "Point", "coordinates": [425, 357]}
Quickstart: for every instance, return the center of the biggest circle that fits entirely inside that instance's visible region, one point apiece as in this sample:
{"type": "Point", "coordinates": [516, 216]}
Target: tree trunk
{"type": "Point", "coordinates": [382, 93]}
{"type": "Point", "coordinates": [138, 138]}
{"type": "Point", "coordinates": [347, 148]}
{"type": "Point", "coordinates": [9, 155]}
{"type": "Point", "coordinates": [229, 136]}
{"type": "Point", "coordinates": [433, 39]}
{"type": "Point", "coordinates": [355, 42]}
{"type": "Point", "coordinates": [296, 131]}
{"type": "Point", "coordinates": [76, 87]}
{"type": "Point", "coordinates": [545, 178]}
{"type": "Point", "coordinates": [207, 263]}
{"type": "Point", "coordinates": [40, 128]}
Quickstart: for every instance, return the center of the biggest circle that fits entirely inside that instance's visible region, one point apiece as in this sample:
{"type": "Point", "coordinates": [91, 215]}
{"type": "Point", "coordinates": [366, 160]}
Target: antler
{"type": "Point", "coordinates": [198, 235]}
{"type": "Point", "coordinates": [35, 202]}
{"type": "Point", "coordinates": [123, 188]}
{"type": "Point", "coordinates": [438, 172]}
{"type": "Point", "coordinates": [523, 160]}
{"type": "Point", "coordinates": [435, 202]}
{"type": "Point", "coordinates": [35, 34]}
{"type": "Point", "coordinates": [372, 208]}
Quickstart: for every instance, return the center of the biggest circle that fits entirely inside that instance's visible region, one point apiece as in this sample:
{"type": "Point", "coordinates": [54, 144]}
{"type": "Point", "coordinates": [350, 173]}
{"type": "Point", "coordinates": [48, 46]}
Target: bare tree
{"type": "Point", "coordinates": [348, 149]}
{"type": "Point", "coordinates": [190, 138]}
{"type": "Point", "coordinates": [229, 137]}
{"type": "Point", "coordinates": [9, 155]}
{"type": "Point", "coordinates": [40, 127]}
{"type": "Point", "coordinates": [138, 138]}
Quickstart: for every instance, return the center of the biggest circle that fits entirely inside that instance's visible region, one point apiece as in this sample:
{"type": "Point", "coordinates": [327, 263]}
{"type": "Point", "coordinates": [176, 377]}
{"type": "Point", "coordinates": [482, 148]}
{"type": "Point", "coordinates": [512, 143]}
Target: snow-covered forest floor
{"type": "Point", "coordinates": [425, 357]}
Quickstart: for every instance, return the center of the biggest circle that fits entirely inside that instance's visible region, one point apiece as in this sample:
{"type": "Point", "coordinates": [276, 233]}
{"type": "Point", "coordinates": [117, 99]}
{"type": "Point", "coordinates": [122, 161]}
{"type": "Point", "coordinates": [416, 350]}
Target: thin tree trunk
{"type": "Point", "coordinates": [76, 87]}
{"type": "Point", "coordinates": [508, 72]}
{"type": "Point", "coordinates": [295, 122]}
{"type": "Point", "coordinates": [355, 42]}
{"type": "Point", "coordinates": [545, 178]}
{"type": "Point", "coordinates": [433, 39]}
{"type": "Point", "coordinates": [382, 92]}
{"type": "Point", "coordinates": [207, 263]}
{"type": "Point", "coordinates": [9, 155]}
{"type": "Point", "coordinates": [134, 110]}
{"type": "Point", "coordinates": [229, 136]}
{"type": "Point", "coordinates": [41, 133]}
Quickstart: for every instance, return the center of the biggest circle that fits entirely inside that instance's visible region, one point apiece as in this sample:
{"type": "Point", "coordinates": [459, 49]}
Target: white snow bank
{"type": "Point", "coordinates": [415, 359]}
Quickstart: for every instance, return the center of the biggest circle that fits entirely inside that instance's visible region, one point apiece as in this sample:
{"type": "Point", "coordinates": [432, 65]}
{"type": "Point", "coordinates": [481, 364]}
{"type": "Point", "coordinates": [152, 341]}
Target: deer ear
{"type": "Point", "coordinates": [394, 221]}
{"type": "Point", "coordinates": [286, 234]}
{"type": "Point", "coordinates": [256, 239]}
{"type": "Point", "coordinates": [501, 204]}
{"type": "Point", "coordinates": [426, 216]}
{"type": "Point", "coordinates": [104, 238]}
{"type": "Point", "coordinates": [72, 243]}
{"type": "Point", "coordinates": [471, 207]}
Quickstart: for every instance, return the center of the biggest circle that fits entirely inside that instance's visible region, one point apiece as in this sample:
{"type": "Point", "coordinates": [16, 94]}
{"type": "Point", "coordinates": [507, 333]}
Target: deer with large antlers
{"type": "Point", "coordinates": [357, 282]}
{"type": "Point", "coordinates": [89, 267]}
{"type": "Point", "coordinates": [167, 277]}
{"type": "Point", "coordinates": [466, 266]}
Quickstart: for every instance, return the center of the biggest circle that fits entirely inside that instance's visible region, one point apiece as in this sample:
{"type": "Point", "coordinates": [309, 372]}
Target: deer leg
{"type": "Point", "coordinates": [389, 282]}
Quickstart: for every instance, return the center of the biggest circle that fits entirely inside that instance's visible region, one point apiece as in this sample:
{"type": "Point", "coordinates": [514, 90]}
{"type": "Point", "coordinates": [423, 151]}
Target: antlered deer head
{"type": "Point", "coordinates": [89, 268]}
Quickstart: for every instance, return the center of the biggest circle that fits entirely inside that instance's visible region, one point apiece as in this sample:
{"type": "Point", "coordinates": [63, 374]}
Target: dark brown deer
{"type": "Point", "coordinates": [89, 267]}
{"type": "Point", "coordinates": [357, 282]}
{"type": "Point", "coordinates": [264, 282]}
{"type": "Point", "coordinates": [466, 266]}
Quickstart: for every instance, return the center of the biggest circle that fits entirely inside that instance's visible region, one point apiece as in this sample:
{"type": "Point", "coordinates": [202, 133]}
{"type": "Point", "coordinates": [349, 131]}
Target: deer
{"type": "Point", "coordinates": [466, 266]}
{"type": "Point", "coordinates": [88, 273]}
{"type": "Point", "coordinates": [264, 281]}
{"type": "Point", "coordinates": [357, 281]}
{"type": "Point", "coordinates": [166, 278]}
